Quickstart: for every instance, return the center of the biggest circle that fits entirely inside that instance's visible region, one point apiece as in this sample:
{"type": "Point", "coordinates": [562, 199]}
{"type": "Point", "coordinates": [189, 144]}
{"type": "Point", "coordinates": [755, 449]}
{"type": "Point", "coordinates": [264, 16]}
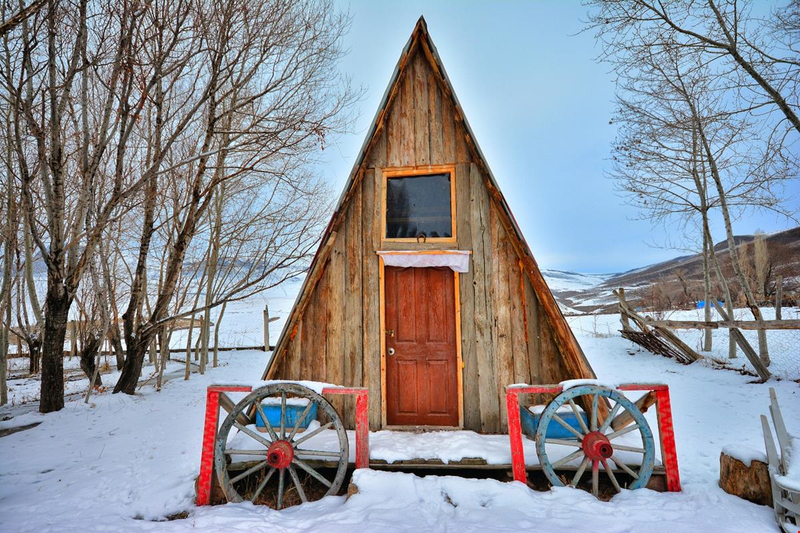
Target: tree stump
{"type": "Point", "coordinates": [750, 482]}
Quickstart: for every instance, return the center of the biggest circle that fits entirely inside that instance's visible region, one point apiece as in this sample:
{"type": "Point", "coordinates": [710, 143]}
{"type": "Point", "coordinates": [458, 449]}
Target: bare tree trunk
{"type": "Point", "coordinates": [188, 368]}
{"type": "Point", "coordinates": [732, 251]}
{"type": "Point", "coordinates": [57, 302]}
{"type": "Point", "coordinates": [89, 360]}
{"type": "Point", "coordinates": [724, 283]}
{"type": "Point", "coordinates": [163, 341]}
{"type": "Point", "coordinates": [9, 238]}
{"type": "Point", "coordinates": [34, 354]}
{"type": "Point", "coordinates": [216, 333]}
{"type": "Point", "coordinates": [707, 333]}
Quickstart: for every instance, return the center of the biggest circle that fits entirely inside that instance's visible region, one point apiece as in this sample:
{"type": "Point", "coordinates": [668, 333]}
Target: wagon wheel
{"type": "Point", "coordinates": [280, 450]}
{"type": "Point", "coordinates": [594, 442]}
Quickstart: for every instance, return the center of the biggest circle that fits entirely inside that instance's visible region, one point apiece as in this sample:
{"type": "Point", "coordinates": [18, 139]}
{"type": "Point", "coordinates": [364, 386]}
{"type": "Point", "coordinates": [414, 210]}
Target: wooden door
{"type": "Point", "coordinates": [421, 359]}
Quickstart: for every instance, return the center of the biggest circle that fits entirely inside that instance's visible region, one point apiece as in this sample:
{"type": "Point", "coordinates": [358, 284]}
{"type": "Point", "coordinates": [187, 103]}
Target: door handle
{"type": "Point", "coordinates": [391, 351]}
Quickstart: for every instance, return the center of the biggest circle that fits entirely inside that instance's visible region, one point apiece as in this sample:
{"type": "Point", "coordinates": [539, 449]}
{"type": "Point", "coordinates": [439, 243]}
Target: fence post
{"type": "Point", "coordinates": [266, 327]}
{"type": "Point", "coordinates": [778, 297]}
{"type": "Point", "coordinates": [626, 325]}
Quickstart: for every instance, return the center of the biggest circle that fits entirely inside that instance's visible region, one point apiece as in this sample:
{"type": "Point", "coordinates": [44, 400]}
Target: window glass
{"type": "Point", "coordinates": [418, 205]}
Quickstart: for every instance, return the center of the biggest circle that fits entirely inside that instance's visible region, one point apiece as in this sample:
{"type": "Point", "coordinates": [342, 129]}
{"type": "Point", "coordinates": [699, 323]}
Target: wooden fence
{"type": "Point", "coordinates": [657, 335]}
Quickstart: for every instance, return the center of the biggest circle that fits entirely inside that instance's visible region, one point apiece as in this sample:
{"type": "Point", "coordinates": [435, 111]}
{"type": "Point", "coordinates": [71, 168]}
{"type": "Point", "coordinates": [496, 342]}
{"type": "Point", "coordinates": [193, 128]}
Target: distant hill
{"type": "Point", "coordinates": [679, 279]}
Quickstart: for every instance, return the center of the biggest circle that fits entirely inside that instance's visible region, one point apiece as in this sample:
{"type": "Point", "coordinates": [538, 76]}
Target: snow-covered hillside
{"type": "Point", "coordinates": [561, 280]}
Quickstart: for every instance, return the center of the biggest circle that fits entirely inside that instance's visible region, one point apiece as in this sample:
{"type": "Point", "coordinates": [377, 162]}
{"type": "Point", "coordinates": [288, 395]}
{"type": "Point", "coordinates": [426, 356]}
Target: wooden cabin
{"type": "Point", "coordinates": [423, 288]}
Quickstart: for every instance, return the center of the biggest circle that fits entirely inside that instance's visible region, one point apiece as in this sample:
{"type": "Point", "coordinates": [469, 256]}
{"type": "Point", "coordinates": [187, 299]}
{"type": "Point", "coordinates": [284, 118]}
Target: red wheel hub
{"type": "Point", "coordinates": [597, 447]}
{"type": "Point", "coordinates": [280, 454]}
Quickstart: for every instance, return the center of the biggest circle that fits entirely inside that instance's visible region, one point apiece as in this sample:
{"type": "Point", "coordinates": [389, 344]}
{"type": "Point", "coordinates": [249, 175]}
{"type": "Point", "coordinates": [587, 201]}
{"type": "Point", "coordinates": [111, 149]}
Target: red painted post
{"type": "Point", "coordinates": [204, 480]}
{"type": "Point", "coordinates": [207, 456]}
{"type": "Point", "coordinates": [669, 453]}
{"type": "Point", "coordinates": [515, 435]}
{"type": "Point", "coordinates": [362, 421]}
{"type": "Point", "coordinates": [362, 430]}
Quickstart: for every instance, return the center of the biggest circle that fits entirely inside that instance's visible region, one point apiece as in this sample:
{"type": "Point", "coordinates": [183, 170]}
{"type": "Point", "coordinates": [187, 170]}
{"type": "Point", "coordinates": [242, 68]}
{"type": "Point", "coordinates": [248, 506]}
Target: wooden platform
{"type": "Point", "coordinates": [470, 467]}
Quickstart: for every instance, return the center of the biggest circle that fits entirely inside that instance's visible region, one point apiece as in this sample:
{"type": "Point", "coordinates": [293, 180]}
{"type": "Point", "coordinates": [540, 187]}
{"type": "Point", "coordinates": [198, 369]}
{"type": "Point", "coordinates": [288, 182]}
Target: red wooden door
{"type": "Point", "coordinates": [420, 322]}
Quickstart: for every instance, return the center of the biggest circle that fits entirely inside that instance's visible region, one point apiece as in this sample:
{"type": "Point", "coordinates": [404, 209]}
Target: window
{"type": "Point", "coordinates": [419, 206]}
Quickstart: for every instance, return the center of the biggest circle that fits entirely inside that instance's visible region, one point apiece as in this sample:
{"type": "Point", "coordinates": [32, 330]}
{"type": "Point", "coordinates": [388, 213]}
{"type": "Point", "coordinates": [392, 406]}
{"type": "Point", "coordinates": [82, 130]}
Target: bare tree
{"type": "Point", "coordinates": [763, 53]}
{"type": "Point", "coordinates": [266, 95]}
{"type": "Point", "coordinates": [678, 143]}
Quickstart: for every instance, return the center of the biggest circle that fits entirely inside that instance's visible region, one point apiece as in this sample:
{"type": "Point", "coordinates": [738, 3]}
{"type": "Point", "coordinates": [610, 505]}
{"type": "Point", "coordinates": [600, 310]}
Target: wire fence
{"type": "Point", "coordinates": [783, 346]}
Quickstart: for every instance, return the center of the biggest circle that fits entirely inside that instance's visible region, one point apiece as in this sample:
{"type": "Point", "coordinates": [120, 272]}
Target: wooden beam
{"type": "Point", "coordinates": [574, 359]}
{"type": "Point", "coordinates": [678, 343]}
{"type": "Point", "coordinates": [762, 371]}
{"type": "Point", "coordinates": [623, 317]}
{"type": "Point", "coordinates": [317, 268]}
{"type": "Point", "coordinates": [726, 324]}
{"type": "Point", "coordinates": [643, 404]}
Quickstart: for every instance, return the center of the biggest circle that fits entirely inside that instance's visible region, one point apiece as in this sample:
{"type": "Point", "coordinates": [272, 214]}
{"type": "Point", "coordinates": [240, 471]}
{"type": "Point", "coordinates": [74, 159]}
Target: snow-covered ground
{"type": "Point", "coordinates": [784, 345]}
{"type": "Point", "coordinates": [122, 463]}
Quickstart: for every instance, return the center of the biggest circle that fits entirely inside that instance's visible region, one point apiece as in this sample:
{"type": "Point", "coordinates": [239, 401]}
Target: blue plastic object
{"type": "Point", "coordinates": [293, 412]}
{"type": "Point", "coordinates": [530, 422]}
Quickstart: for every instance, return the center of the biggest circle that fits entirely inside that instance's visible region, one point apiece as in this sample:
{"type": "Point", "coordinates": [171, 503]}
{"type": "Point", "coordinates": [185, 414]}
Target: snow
{"type": "Point", "coordinates": [316, 386]}
{"type": "Point", "coordinates": [744, 454]}
{"type": "Point", "coordinates": [572, 383]}
{"type": "Point", "coordinates": [121, 462]}
{"type": "Point", "coordinates": [22, 420]}
{"type": "Point", "coordinates": [566, 408]}
{"type": "Point", "coordinates": [560, 280]}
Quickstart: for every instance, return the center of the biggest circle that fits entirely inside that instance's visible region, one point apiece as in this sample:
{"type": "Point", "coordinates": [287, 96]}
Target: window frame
{"type": "Point", "coordinates": [410, 172]}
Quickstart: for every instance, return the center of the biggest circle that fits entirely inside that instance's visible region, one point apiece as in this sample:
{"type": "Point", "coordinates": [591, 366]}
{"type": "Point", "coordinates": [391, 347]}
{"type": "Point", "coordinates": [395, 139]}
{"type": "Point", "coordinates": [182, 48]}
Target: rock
{"type": "Point", "coordinates": [748, 482]}
{"type": "Point", "coordinates": [352, 490]}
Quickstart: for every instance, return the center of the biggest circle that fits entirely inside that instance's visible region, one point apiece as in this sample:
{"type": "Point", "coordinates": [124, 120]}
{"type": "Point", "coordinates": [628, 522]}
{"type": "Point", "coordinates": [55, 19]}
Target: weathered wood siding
{"type": "Point", "coordinates": [505, 336]}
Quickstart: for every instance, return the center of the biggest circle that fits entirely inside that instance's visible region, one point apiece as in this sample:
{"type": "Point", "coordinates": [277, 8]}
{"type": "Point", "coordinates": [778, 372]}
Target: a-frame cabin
{"type": "Point", "coordinates": [463, 312]}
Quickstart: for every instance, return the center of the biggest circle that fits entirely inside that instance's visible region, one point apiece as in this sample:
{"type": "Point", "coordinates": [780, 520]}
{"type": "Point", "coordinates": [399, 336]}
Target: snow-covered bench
{"type": "Point", "coordinates": [784, 470]}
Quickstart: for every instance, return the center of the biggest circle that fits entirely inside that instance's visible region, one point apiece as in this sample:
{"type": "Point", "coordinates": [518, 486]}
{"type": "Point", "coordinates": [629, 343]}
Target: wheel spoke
{"type": "Point", "coordinates": [625, 467]}
{"type": "Point", "coordinates": [249, 471]}
{"type": "Point", "coordinates": [563, 442]}
{"type": "Point", "coordinates": [320, 453]}
{"type": "Point", "coordinates": [628, 448]}
{"type": "Point", "coordinates": [249, 432]}
{"type": "Point", "coordinates": [609, 418]}
{"type": "Point", "coordinates": [594, 413]}
{"type": "Point", "coordinates": [307, 468]}
{"type": "Point", "coordinates": [567, 426]}
{"type": "Point", "coordinates": [266, 421]}
{"type": "Point", "coordinates": [246, 452]}
{"type": "Point", "coordinates": [611, 475]}
{"type": "Point", "coordinates": [595, 478]}
{"type": "Point", "coordinates": [614, 435]}
{"type": "Point", "coordinates": [296, 482]}
{"type": "Point", "coordinates": [307, 436]}
{"type": "Point", "coordinates": [283, 415]}
{"type": "Point", "coordinates": [567, 459]}
{"type": "Point", "coordinates": [262, 484]}
{"type": "Point", "coordinates": [578, 416]}
{"type": "Point", "coordinates": [300, 419]}
{"type": "Point", "coordinates": [577, 477]}
{"type": "Point", "coordinates": [280, 488]}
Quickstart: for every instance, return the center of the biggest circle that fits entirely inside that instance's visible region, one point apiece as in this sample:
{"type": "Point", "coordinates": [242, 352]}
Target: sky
{"type": "Point", "coordinates": [540, 106]}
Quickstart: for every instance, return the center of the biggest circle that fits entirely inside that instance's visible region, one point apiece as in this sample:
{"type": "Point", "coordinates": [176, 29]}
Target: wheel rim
{"type": "Point", "coordinates": [281, 450]}
{"type": "Point", "coordinates": [594, 444]}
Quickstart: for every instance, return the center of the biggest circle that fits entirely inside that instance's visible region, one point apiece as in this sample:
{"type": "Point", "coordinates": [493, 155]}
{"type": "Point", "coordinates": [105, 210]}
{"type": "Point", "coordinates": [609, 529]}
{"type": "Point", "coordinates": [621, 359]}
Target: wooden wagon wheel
{"type": "Point", "coordinates": [279, 449]}
{"type": "Point", "coordinates": [594, 441]}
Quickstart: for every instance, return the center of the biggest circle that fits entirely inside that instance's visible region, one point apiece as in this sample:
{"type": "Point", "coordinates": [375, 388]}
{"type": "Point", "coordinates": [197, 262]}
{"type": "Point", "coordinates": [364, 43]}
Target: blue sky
{"type": "Point", "coordinates": [539, 105]}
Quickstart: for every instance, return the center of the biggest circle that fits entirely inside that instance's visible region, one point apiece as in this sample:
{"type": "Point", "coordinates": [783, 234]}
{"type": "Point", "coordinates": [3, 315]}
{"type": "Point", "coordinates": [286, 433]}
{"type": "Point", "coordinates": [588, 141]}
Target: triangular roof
{"type": "Point", "coordinates": [574, 359]}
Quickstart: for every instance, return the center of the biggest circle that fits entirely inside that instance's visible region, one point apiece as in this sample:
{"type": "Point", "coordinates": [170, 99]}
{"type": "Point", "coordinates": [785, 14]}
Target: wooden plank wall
{"type": "Point", "coordinates": [505, 336]}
